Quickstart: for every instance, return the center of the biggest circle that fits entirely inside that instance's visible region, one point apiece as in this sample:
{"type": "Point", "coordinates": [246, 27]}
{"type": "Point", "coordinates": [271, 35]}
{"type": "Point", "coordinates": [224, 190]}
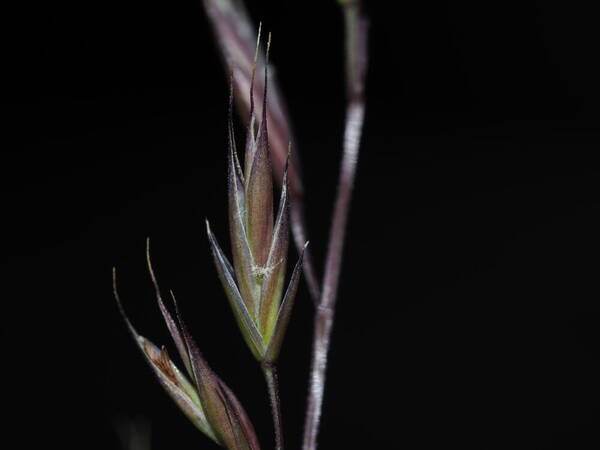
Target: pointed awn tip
{"type": "Point", "coordinates": [130, 327]}
{"type": "Point", "coordinates": [150, 268]}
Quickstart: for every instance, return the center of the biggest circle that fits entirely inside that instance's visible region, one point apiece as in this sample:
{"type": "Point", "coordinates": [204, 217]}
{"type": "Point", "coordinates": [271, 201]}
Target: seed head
{"type": "Point", "coordinates": [254, 284]}
{"type": "Point", "coordinates": [201, 395]}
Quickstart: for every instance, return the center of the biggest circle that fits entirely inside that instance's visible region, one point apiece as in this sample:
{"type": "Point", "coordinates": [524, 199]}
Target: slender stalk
{"type": "Point", "coordinates": [356, 54]}
{"type": "Point", "coordinates": [270, 371]}
{"type": "Point", "coordinates": [324, 315]}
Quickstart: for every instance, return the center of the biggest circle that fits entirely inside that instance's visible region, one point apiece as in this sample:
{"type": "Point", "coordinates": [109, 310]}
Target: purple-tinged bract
{"type": "Point", "coordinates": [254, 283]}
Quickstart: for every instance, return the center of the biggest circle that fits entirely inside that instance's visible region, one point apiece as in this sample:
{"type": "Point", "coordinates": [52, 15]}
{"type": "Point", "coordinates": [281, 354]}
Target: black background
{"type": "Point", "coordinates": [468, 310]}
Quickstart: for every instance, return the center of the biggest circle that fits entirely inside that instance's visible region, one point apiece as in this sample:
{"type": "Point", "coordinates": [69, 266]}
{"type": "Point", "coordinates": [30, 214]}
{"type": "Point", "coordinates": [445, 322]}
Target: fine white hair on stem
{"type": "Point", "coordinates": [324, 315]}
{"type": "Point", "coordinates": [356, 59]}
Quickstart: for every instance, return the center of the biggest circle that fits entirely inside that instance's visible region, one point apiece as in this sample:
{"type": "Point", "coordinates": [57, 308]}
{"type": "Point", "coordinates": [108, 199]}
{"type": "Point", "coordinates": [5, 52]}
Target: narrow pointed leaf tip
{"type": "Point", "coordinates": [170, 378]}
{"type": "Point", "coordinates": [238, 42]}
{"type": "Point", "coordinates": [241, 312]}
{"type": "Point", "coordinates": [204, 401]}
{"type": "Point", "coordinates": [171, 324]}
{"type": "Point", "coordinates": [285, 311]}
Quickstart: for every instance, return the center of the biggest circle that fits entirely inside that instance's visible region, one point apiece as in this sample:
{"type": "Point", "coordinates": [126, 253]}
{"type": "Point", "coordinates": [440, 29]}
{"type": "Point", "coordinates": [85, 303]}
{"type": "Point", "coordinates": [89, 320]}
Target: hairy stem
{"type": "Point", "coordinates": [355, 67]}
{"type": "Point", "coordinates": [270, 371]}
{"type": "Point", "coordinates": [324, 315]}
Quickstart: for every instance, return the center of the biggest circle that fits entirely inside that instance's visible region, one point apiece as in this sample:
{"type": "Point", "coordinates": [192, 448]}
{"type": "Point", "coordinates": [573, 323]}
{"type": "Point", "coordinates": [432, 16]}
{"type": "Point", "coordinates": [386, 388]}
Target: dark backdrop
{"type": "Point", "coordinates": [468, 310]}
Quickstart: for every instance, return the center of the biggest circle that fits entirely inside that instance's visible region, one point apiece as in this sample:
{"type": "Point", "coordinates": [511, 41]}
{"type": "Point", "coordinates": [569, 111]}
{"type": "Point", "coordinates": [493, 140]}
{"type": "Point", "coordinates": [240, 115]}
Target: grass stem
{"type": "Point", "coordinates": [356, 56]}
{"type": "Point", "coordinates": [270, 371]}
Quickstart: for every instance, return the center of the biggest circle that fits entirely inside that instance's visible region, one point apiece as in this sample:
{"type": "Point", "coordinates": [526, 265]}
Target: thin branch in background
{"type": "Point", "coordinates": [236, 37]}
{"type": "Point", "coordinates": [356, 62]}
